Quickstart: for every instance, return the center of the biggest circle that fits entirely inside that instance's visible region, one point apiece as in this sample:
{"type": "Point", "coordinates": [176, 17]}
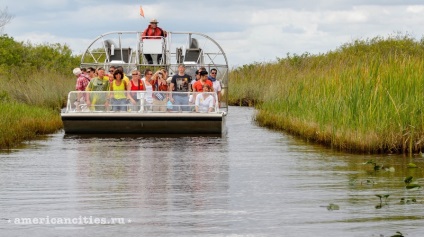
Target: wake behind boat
{"type": "Point", "coordinates": [128, 50]}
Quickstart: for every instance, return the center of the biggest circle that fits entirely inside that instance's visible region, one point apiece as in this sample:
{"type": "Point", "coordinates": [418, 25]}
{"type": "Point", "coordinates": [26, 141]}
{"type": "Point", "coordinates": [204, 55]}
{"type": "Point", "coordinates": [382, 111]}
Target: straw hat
{"type": "Point", "coordinates": [154, 21]}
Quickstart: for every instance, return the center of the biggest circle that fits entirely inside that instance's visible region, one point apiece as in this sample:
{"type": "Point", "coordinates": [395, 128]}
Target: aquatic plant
{"type": "Point", "coordinates": [408, 201]}
{"type": "Point", "coordinates": [332, 207]}
{"type": "Point", "coordinates": [376, 167]}
{"type": "Point", "coordinates": [410, 184]}
{"type": "Point", "coordinates": [380, 205]}
{"type": "Point", "coordinates": [398, 234]}
{"type": "Point", "coordinates": [408, 180]}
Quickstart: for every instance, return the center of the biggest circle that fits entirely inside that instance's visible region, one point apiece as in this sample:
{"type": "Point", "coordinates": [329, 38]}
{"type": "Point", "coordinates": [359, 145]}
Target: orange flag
{"type": "Point", "coordinates": [141, 12]}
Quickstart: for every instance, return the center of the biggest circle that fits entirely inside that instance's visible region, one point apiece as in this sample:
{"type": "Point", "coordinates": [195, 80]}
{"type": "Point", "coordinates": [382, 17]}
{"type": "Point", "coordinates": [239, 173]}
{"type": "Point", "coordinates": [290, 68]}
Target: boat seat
{"type": "Point", "coordinates": [117, 56]}
{"type": "Point", "coordinates": [153, 47]}
{"type": "Point", "coordinates": [194, 53]}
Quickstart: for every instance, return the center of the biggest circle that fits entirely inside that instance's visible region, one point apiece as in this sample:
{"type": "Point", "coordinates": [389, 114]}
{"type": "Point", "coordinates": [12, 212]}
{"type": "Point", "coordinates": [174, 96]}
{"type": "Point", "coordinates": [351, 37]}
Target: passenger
{"type": "Point", "coordinates": [153, 32]}
{"type": "Point", "coordinates": [168, 82]}
{"type": "Point", "coordinates": [180, 83]}
{"type": "Point", "coordinates": [82, 82]}
{"type": "Point", "coordinates": [196, 78]}
{"type": "Point", "coordinates": [160, 84]}
{"type": "Point", "coordinates": [148, 96]}
{"type": "Point", "coordinates": [85, 73]}
{"type": "Point", "coordinates": [136, 84]}
{"type": "Point", "coordinates": [119, 95]}
{"type": "Point", "coordinates": [198, 86]}
{"type": "Point", "coordinates": [98, 101]}
{"type": "Point", "coordinates": [125, 78]}
{"type": "Point", "coordinates": [205, 101]}
{"type": "Point", "coordinates": [91, 72]}
{"type": "Point", "coordinates": [112, 69]}
{"type": "Point", "coordinates": [165, 75]}
{"type": "Point", "coordinates": [216, 83]}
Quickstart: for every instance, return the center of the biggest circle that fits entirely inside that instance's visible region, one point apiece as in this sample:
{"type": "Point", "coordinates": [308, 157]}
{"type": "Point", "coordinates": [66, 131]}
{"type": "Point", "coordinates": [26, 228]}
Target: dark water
{"type": "Point", "coordinates": [250, 182]}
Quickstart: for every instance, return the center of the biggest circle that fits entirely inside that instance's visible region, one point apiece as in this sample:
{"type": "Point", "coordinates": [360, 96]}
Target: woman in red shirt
{"type": "Point", "coordinates": [136, 84]}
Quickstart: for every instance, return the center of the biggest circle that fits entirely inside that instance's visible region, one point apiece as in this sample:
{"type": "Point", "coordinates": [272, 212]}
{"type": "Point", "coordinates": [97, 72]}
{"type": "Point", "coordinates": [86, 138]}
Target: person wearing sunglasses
{"type": "Point", "coordinates": [136, 84]}
{"type": "Point", "coordinates": [216, 84]}
{"type": "Point", "coordinates": [148, 96]}
{"type": "Point", "coordinates": [197, 76]}
{"type": "Point", "coordinates": [91, 72]}
{"type": "Point", "coordinates": [112, 70]}
{"type": "Point", "coordinates": [153, 32]}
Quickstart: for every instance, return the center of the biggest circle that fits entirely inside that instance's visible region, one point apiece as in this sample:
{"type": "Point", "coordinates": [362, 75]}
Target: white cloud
{"type": "Point", "coordinates": [248, 30]}
{"type": "Point", "coordinates": [415, 9]}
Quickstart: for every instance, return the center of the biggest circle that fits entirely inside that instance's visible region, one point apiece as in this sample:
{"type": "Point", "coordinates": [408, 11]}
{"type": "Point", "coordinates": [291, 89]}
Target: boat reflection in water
{"type": "Point", "coordinates": [153, 175]}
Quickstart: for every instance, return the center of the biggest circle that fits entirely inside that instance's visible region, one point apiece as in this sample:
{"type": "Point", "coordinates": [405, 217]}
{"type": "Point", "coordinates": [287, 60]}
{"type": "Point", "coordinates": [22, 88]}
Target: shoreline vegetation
{"type": "Point", "coordinates": [364, 97]}
{"type": "Point", "coordinates": [35, 81]}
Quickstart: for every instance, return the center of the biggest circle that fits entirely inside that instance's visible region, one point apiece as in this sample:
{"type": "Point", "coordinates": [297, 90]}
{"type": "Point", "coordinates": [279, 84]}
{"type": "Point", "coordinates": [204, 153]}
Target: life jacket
{"type": "Point", "coordinates": [157, 33]}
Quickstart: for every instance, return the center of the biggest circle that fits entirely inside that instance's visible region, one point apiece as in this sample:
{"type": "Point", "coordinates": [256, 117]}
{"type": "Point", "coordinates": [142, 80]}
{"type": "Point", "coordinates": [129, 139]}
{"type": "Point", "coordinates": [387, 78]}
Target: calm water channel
{"type": "Point", "coordinates": [250, 182]}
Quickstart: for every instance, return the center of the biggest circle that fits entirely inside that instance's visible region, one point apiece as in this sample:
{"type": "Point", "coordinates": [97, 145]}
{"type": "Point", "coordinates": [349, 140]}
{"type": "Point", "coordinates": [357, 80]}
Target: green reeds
{"type": "Point", "coordinates": [20, 122]}
{"type": "Point", "coordinates": [365, 97]}
{"type": "Point", "coordinates": [30, 103]}
{"type": "Point", "coordinates": [41, 88]}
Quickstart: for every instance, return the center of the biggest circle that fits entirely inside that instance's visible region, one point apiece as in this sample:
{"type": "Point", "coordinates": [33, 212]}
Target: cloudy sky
{"type": "Point", "coordinates": [249, 31]}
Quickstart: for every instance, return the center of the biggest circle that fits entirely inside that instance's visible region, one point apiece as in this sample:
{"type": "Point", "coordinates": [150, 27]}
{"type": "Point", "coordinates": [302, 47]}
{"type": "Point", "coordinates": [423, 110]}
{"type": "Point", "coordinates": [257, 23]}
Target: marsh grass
{"type": "Point", "coordinates": [367, 96]}
{"type": "Point", "coordinates": [30, 103]}
{"type": "Point", "coordinates": [23, 122]}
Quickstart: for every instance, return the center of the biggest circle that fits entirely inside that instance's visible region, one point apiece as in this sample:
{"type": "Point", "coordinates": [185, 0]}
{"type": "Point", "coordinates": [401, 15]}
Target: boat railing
{"type": "Point", "coordinates": [129, 50]}
{"type": "Point", "coordinates": [142, 102]}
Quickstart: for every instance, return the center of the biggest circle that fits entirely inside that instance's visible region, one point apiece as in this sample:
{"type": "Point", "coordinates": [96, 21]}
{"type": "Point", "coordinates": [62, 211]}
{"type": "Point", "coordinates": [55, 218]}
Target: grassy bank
{"type": "Point", "coordinates": [21, 122]}
{"type": "Point", "coordinates": [367, 96]}
{"type": "Point", "coordinates": [31, 105]}
{"type": "Point", "coordinates": [35, 81]}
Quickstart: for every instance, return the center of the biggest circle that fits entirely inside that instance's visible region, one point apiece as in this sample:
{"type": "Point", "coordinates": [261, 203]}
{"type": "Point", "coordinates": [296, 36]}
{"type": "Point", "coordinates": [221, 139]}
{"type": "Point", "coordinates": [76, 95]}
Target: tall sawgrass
{"type": "Point", "coordinates": [30, 104]}
{"type": "Point", "coordinates": [42, 88]}
{"type": "Point", "coordinates": [366, 96]}
{"type": "Point", "coordinates": [35, 80]}
{"type": "Point", "coordinates": [21, 122]}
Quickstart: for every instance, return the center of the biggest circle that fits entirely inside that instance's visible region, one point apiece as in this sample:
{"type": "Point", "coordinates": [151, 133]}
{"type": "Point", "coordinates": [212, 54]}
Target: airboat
{"type": "Point", "coordinates": [129, 50]}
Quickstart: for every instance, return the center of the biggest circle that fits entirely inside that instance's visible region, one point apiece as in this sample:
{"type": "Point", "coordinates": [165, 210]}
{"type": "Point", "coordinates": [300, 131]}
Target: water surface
{"type": "Point", "coordinates": [249, 182]}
